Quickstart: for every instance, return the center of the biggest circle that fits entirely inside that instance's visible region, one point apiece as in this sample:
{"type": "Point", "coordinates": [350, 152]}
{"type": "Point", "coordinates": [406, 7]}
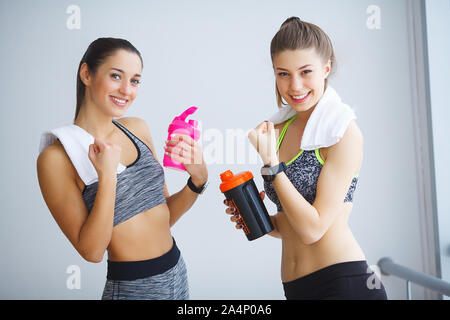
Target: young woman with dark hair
{"type": "Point", "coordinates": [128, 214]}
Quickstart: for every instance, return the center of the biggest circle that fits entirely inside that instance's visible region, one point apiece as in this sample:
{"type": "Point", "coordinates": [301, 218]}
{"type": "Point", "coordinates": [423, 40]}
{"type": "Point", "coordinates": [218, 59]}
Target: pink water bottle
{"type": "Point", "coordinates": [180, 126]}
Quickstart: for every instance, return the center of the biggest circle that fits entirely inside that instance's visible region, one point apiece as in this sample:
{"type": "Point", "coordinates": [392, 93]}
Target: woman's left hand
{"type": "Point", "coordinates": [184, 149]}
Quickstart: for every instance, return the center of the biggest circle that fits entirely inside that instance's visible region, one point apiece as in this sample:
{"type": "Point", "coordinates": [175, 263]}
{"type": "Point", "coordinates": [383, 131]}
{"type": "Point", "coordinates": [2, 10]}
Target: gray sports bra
{"type": "Point", "coordinates": [139, 187]}
{"type": "Point", "coordinates": [303, 171]}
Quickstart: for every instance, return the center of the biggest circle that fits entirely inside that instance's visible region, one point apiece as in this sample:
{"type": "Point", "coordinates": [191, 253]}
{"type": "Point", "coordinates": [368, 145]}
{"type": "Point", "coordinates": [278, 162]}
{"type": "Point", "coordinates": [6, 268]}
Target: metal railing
{"type": "Point", "coordinates": [387, 267]}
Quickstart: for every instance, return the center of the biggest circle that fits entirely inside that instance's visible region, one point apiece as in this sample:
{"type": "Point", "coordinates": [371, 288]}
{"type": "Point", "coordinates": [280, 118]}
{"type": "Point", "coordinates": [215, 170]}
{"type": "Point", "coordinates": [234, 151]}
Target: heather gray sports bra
{"type": "Point", "coordinates": [303, 171]}
{"type": "Point", "coordinates": [139, 187]}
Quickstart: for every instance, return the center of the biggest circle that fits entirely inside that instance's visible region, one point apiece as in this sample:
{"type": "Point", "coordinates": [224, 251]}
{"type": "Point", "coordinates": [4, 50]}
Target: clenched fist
{"type": "Point", "coordinates": [264, 141]}
{"type": "Point", "coordinates": [105, 157]}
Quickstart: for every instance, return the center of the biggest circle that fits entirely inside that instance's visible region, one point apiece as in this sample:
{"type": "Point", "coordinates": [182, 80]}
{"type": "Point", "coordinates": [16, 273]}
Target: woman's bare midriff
{"type": "Point", "coordinates": [144, 236]}
{"type": "Point", "coordinates": [337, 245]}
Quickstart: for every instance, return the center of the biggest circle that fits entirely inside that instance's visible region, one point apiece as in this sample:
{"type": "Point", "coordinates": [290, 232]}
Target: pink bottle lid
{"type": "Point", "coordinates": [193, 123]}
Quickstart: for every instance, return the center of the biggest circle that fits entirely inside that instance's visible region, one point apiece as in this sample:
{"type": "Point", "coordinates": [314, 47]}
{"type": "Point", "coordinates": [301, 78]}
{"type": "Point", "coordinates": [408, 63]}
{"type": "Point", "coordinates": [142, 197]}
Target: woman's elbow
{"type": "Point", "coordinates": [93, 259]}
{"type": "Point", "coordinates": [91, 256]}
{"type": "Point", "coordinates": [312, 231]}
{"type": "Point", "coordinates": [310, 237]}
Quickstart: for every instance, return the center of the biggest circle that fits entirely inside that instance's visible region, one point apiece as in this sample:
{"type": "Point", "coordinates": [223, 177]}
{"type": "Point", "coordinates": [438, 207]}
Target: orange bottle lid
{"type": "Point", "coordinates": [230, 181]}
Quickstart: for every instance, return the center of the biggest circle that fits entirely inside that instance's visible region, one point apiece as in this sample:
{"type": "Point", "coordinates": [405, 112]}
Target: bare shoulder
{"type": "Point", "coordinates": [351, 145]}
{"type": "Point", "coordinates": [56, 171]}
{"type": "Point", "coordinates": [354, 131]}
{"type": "Point", "coordinates": [54, 158]}
{"type": "Point", "coordinates": [134, 122]}
{"type": "Point", "coordinates": [352, 140]}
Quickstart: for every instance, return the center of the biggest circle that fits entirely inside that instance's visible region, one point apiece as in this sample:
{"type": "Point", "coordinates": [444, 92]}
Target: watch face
{"type": "Point", "coordinates": [204, 187]}
{"type": "Point", "coordinates": [269, 173]}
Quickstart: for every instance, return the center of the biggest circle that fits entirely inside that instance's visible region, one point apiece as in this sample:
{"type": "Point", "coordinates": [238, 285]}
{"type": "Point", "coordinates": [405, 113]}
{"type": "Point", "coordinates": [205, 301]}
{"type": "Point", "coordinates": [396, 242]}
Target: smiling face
{"type": "Point", "coordinates": [300, 77]}
{"type": "Point", "coordinates": [114, 85]}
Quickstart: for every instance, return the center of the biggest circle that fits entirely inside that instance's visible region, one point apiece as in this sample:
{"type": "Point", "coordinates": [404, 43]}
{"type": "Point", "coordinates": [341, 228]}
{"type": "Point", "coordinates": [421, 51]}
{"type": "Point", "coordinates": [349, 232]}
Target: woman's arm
{"type": "Point", "coordinates": [182, 201]}
{"type": "Point", "coordinates": [311, 222]}
{"type": "Point", "coordinates": [184, 149]}
{"type": "Point", "coordinates": [275, 232]}
{"type": "Point", "coordinates": [90, 234]}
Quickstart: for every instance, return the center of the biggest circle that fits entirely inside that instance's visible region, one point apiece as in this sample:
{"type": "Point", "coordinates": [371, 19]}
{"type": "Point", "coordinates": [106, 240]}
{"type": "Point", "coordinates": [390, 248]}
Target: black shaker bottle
{"type": "Point", "coordinates": [241, 193]}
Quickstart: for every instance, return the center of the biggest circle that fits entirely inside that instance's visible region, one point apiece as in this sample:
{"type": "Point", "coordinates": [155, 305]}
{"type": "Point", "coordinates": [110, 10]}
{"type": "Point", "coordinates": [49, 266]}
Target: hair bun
{"type": "Point", "coordinates": [291, 20]}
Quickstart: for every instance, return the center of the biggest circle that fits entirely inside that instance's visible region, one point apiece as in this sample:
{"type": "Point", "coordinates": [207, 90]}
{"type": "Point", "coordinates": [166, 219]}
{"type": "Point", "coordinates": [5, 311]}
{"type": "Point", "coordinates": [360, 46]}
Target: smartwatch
{"type": "Point", "coordinates": [268, 173]}
{"type": "Point", "coordinates": [198, 190]}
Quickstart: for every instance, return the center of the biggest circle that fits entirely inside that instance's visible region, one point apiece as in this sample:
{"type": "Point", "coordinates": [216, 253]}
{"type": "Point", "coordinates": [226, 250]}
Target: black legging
{"type": "Point", "coordinates": [341, 281]}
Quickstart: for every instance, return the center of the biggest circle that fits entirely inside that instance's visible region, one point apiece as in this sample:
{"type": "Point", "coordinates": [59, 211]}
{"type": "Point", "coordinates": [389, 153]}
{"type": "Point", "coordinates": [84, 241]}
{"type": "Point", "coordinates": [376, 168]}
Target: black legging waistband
{"type": "Point", "coordinates": [346, 280]}
{"type": "Point", "coordinates": [132, 270]}
{"type": "Point", "coordinates": [331, 272]}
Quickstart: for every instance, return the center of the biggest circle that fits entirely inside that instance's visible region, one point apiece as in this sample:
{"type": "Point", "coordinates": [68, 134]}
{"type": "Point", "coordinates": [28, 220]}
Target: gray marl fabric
{"type": "Point", "coordinates": [139, 187]}
{"type": "Point", "coordinates": [170, 285]}
{"type": "Point", "coordinates": [304, 172]}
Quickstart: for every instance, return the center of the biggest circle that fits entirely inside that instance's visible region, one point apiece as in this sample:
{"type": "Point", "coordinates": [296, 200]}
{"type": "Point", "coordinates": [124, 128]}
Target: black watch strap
{"type": "Point", "coordinates": [192, 186]}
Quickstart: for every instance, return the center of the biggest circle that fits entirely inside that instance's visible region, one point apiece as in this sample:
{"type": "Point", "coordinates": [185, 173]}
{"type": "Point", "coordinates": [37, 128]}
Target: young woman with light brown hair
{"type": "Point", "coordinates": [313, 189]}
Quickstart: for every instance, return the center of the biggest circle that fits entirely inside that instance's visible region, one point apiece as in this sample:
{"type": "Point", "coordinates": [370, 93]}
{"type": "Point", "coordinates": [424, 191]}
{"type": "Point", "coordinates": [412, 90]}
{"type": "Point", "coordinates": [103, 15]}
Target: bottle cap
{"type": "Point", "coordinates": [193, 123]}
{"type": "Point", "coordinates": [187, 113]}
{"type": "Point", "coordinates": [230, 181]}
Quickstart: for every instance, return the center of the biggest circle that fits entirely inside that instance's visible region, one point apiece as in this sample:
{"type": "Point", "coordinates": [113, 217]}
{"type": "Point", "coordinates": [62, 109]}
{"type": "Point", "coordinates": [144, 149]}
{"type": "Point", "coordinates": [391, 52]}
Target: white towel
{"type": "Point", "coordinates": [76, 142]}
{"type": "Point", "coordinates": [327, 123]}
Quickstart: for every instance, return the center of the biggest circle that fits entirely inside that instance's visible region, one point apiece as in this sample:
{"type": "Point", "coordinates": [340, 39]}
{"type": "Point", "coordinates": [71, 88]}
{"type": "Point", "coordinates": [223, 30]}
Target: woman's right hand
{"type": "Point", "coordinates": [105, 157]}
{"type": "Point", "coordinates": [231, 210]}
{"type": "Point", "coordinates": [263, 138]}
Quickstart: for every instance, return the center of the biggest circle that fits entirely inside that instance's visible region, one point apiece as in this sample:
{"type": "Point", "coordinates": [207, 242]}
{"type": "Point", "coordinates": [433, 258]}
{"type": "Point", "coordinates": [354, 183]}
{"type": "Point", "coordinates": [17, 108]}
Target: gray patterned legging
{"type": "Point", "coordinates": [170, 285]}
